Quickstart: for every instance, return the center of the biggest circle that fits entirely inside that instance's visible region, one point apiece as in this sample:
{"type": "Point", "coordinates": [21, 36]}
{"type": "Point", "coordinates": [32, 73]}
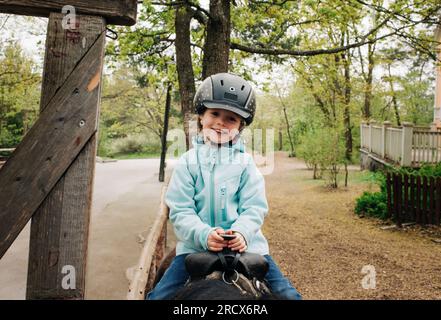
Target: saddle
{"type": "Point", "coordinates": [246, 271]}
{"type": "Point", "coordinates": [251, 265]}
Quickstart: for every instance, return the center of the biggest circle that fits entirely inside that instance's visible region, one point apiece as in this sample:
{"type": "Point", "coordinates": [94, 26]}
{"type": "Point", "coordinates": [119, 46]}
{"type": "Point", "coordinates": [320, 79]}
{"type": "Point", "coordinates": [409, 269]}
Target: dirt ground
{"type": "Point", "coordinates": [322, 246]}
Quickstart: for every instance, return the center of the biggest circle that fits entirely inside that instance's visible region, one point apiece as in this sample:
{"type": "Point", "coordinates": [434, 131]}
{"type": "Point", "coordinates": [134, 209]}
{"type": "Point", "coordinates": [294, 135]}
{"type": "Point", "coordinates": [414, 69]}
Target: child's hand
{"type": "Point", "coordinates": [238, 243]}
{"type": "Point", "coordinates": [215, 242]}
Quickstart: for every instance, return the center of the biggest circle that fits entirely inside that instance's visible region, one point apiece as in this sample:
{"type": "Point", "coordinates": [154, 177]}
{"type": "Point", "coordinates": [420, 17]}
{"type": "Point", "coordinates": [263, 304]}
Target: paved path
{"type": "Point", "coordinates": [125, 203]}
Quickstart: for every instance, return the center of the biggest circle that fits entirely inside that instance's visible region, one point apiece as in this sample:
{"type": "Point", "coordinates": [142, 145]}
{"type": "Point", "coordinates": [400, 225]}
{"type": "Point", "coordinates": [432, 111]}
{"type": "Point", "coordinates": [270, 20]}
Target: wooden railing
{"type": "Point", "coordinates": [393, 144]}
{"type": "Point", "coordinates": [406, 146]}
{"type": "Point", "coordinates": [153, 251]}
{"type": "Point", "coordinates": [426, 146]}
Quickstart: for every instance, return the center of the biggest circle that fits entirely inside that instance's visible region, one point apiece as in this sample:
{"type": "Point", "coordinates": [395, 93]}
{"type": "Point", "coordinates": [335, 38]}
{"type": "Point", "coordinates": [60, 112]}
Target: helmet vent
{"type": "Point", "coordinates": [241, 89]}
{"type": "Point", "coordinates": [222, 82]}
{"type": "Point", "coordinates": [230, 96]}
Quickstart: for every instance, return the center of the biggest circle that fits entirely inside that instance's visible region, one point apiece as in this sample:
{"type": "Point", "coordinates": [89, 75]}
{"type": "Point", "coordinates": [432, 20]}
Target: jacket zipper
{"type": "Point", "coordinates": [223, 200]}
{"type": "Point", "coordinates": [212, 204]}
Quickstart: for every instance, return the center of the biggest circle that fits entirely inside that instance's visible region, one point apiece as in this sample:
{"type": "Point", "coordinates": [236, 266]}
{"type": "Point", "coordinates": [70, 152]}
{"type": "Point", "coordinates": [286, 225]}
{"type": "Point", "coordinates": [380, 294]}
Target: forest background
{"type": "Point", "coordinates": [319, 67]}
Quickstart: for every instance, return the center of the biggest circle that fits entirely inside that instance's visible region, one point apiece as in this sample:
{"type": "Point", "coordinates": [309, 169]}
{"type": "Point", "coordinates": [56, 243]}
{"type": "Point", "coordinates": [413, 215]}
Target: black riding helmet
{"type": "Point", "coordinates": [226, 91]}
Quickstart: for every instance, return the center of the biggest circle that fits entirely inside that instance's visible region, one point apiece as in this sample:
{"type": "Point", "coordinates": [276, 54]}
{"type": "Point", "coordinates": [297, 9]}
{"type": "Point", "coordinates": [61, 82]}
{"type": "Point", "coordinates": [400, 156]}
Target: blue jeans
{"type": "Point", "coordinates": [176, 276]}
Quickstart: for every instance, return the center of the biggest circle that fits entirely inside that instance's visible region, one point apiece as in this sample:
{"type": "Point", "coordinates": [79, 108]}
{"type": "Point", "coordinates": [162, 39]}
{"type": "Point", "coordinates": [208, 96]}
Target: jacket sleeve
{"type": "Point", "coordinates": [188, 226]}
{"type": "Point", "coordinates": [253, 206]}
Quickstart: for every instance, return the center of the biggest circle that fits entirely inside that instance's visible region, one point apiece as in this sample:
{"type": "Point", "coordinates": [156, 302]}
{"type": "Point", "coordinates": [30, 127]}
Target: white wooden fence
{"type": "Point", "coordinates": [406, 145]}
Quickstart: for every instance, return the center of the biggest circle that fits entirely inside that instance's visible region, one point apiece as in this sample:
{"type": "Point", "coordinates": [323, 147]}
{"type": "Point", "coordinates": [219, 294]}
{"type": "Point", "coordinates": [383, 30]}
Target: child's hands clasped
{"type": "Point", "coordinates": [217, 243]}
{"type": "Point", "coordinates": [238, 243]}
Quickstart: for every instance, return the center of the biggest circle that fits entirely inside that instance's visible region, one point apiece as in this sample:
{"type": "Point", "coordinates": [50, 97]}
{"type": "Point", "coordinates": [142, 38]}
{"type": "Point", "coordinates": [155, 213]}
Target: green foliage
{"type": "Point", "coordinates": [323, 149]}
{"type": "Point", "coordinates": [19, 94]}
{"type": "Point", "coordinates": [428, 170]}
{"type": "Point", "coordinates": [133, 144]}
{"type": "Point", "coordinates": [377, 178]}
{"type": "Point", "coordinates": [129, 144]}
{"type": "Point", "coordinates": [372, 204]}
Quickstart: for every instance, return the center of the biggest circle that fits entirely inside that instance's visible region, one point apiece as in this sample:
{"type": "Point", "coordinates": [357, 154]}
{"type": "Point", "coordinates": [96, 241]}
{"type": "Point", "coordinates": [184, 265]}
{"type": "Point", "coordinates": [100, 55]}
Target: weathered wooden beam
{"type": "Point", "coordinates": [119, 12]}
{"type": "Point", "coordinates": [61, 132]}
{"type": "Point", "coordinates": [151, 254]}
{"type": "Point", "coordinates": [60, 226]}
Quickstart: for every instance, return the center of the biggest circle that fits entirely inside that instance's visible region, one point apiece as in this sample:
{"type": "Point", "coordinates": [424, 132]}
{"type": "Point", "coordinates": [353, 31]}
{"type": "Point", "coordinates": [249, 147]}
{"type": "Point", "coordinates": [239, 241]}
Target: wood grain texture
{"type": "Point", "coordinates": [151, 254]}
{"type": "Point", "coordinates": [50, 147]}
{"type": "Point", "coordinates": [60, 227]}
{"type": "Point", "coordinates": [119, 12]}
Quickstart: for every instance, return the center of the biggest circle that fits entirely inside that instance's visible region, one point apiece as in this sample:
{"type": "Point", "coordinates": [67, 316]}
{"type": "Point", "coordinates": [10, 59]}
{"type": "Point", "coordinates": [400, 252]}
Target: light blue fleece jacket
{"type": "Point", "coordinates": [214, 186]}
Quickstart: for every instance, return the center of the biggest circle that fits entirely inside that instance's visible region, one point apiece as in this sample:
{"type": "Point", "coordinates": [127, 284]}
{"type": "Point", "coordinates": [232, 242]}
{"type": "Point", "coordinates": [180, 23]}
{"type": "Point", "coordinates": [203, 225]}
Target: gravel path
{"type": "Point", "coordinates": [329, 253]}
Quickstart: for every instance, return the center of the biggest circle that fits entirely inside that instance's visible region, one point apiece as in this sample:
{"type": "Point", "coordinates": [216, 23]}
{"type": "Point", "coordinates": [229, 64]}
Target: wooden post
{"type": "Point", "coordinates": [53, 143]}
{"type": "Point", "coordinates": [397, 198]}
{"type": "Point", "coordinates": [406, 144]}
{"type": "Point", "coordinates": [60, 227]}
{"type": "Point", "coordinates": [419, 219]}
{"type": "Point", "coordinates": [389, 187]}
{"type": "Point", "coordinates": [50, 174]}
{"type": "Point", "coordinates": [371, 123]}
{"type": "Point", "coordinates": [425, 190]}
{"type": "Point", "coordinates": [164, 135]}
{"type": "Point", "coordinates": [405, 208]}
{"type": "Point", "coordinates": [412, 197]}
{"type": "Point", "coordinates": [432, 187]}
{"type": "Point", "coordinates": [437, 106]}
{"type": "Point", "coordinates": [386, 124]}
{"type": "Point", "coordinates": [438, 201]}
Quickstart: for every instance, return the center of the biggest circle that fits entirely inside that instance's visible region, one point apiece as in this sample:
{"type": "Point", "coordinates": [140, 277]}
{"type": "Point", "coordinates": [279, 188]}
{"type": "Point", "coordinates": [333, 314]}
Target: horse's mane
{"type": "Point", "coordinates": [207, 289]}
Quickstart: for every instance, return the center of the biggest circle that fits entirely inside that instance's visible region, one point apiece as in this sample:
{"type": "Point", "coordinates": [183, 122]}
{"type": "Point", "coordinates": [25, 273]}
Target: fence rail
{"type": "Point", "coordinates": [426, 147]}
{"type": "Point", "coordinates": [407, 145]}
{"type": "Point", "coordinates": [413, 198]}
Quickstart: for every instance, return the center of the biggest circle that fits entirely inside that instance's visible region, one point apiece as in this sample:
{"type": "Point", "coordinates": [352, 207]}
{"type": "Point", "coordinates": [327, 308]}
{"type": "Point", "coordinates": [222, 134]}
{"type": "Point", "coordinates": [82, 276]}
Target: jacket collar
{"type": "Point", "coordinates": [237, 144]}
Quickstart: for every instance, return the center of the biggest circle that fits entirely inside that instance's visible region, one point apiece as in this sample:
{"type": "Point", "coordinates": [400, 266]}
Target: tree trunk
{"type": "Point", "coordinates": [394, 98]}
{"type": "Point", "coordinates": [346, 174]}
{"type": "Point", "coordinates": [164, 135]}
{"type": "Point", "coordinates": [368, 87]}
{"type": "Point", "coordinates": [280, 140]}
{"type": "Point", "coordinates": [184, 65]}
{"type": "Point", "coordinates": [217, 41]}
{"type": "Point", "coordinates": [291, 143]}
{"type": "Point", "coordinates": [347, 113]}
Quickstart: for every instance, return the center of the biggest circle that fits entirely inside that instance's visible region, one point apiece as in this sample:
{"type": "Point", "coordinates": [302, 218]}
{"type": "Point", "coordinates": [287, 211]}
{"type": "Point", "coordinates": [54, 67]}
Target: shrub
{"type": "Point", "coordinates": [372, 204]}
{"type": "Point", "coordinates": [130, 144]}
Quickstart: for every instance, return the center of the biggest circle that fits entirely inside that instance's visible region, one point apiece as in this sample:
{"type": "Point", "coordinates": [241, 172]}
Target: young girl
{"type": "Point", "coordinates": [216, 187]}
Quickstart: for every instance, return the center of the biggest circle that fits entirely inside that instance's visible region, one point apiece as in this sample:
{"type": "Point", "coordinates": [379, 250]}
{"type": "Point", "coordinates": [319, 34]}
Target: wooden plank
{"type": "Point", "coordinates": [398, 197]}
{"type": "Point", "coordinates": [412, 197]}
{"type": "Point", "coordinates": [143, 273]}
{"type": "Point", "coordinates": [55, 140]}
{"type": "Point", "coordinates": [157, 257]}
{"type": "Point", "coordinates": [60, 227]}
{"type": "Point", "coordinates": [425, 198]}
{"type": "Point", "coordinates": [432, 187]}
{"type": "Point", "coordinates": [405, 209]}
{"type": "Point", "coordinates": [418, 200]}
{"type": "Point", "coordinates": [119, 12]}
{"type": "Point", "coordinates": [389, 194]}
{"type": "Point", "coordinates": [438, 200]}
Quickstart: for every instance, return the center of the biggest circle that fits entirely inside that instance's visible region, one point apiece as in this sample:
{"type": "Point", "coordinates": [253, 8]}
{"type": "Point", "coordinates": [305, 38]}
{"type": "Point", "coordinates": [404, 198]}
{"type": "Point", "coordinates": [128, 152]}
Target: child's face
{"type": "Point", "coordinates": [219, 125]}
